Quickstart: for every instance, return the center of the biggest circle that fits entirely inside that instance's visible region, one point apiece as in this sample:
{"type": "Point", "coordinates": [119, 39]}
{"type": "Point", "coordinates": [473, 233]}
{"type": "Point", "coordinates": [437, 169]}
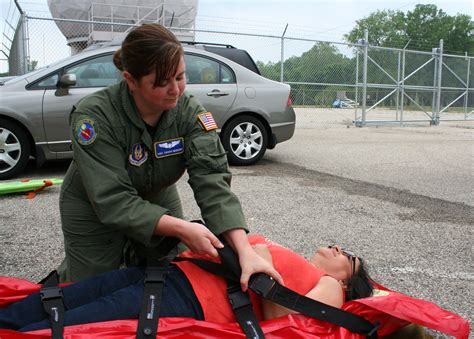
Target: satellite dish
{"type": "Point", "coordinates": [113, 18]}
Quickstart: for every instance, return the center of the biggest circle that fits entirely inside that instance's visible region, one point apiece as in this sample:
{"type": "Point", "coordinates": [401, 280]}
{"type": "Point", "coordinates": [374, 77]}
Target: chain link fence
{"type": "Point", "coordinates": [381, 85]}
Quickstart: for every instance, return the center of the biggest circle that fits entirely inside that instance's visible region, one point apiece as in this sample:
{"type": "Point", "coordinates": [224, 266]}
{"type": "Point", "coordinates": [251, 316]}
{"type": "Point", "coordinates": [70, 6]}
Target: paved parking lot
{"type": "Point", "coordinates": [401, 197]}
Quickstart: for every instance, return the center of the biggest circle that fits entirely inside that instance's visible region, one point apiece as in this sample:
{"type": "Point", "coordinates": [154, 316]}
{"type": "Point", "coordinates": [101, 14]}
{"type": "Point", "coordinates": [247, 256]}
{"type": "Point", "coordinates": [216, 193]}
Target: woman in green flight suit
{"type": "Point", "coordinates": [132, 142]}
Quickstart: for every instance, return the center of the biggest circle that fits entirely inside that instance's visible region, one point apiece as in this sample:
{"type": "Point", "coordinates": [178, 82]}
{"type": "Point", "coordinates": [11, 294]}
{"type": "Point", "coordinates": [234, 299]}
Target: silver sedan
{"type": "Point", "coordinates": [253, 113]}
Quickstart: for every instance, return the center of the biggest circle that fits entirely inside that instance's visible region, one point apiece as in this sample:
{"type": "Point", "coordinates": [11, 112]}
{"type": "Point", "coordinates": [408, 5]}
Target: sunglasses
{"type": "Point", "coordinates": [350, 256]}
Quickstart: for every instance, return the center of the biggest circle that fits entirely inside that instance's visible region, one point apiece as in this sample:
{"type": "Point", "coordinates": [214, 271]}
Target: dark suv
{"type": "Point", "coordinates": [230, 52]}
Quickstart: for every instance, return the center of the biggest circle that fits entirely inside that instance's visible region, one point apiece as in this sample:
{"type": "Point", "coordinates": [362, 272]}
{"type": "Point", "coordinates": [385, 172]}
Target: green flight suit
{"type": "Point", "coordinates": [122, 180]}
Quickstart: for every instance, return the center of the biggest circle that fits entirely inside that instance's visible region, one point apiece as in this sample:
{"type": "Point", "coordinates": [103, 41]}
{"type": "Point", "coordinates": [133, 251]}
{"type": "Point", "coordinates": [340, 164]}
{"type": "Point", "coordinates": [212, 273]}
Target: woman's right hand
{"type": "Point", "coordinates": [197, 237]}
{"type": "Point", "coordinates": [200, 240]}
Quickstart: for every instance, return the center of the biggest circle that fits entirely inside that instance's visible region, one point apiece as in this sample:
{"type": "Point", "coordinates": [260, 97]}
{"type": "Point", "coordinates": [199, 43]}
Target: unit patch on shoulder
{"type": "Point", "coordinates": [170, 147]}
{"type": "Point", "coordinates": [85, 131]}
{"type": "Point", "coordinates": [138, 156]}
{"type": "Point", "coordinates": [207, 121]}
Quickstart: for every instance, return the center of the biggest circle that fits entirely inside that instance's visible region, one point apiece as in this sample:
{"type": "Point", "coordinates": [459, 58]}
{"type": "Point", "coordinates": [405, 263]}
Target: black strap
{"type": "Point", "coordinates": [239, 300]}
{"type": "Point", "coordinates": [52, 299]}
{"type": "Point", "coordinates": [154, 281]}
{"type": "Point", "coordinates": [242, 307]}
{"type": "Point", "coordinates": [210, 266]}
{"type": "Point", "coordinates": [267, 288]}
{"type": "Point", "coordinates": [230, 260]}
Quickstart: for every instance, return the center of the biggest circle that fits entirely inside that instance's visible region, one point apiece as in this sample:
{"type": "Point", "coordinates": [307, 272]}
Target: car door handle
{"type": "Point", "coordinates": [217, 93]}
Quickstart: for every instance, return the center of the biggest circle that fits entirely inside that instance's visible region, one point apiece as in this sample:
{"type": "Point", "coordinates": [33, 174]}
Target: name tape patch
{"type": "Point", "coordinates": [170, 147]}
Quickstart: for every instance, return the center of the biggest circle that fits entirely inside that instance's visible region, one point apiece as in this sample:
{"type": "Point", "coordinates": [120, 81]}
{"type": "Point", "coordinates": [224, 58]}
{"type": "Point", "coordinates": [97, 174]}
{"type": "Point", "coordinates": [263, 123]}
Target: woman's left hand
{"type": "Point", "coordinates": [251, 263]}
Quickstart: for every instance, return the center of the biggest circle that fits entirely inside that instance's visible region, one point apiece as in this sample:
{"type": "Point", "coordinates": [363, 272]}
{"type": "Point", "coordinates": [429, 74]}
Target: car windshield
{"type": "Point", "coordinates": [20, 77]}
{"type": "Point", "coordinates": [36, 71]}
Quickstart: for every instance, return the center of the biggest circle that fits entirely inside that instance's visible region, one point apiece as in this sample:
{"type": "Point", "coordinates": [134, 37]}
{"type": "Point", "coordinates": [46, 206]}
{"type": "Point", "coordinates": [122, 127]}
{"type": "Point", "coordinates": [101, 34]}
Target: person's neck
{"type": "Point", "coordinates": [149, 115]}
{"type": "Point", "coordinates": [151, 119]}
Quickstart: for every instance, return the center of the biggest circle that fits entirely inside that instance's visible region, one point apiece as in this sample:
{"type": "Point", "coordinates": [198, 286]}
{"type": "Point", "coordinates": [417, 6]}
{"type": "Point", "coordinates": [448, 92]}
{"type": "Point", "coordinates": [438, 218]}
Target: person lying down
{"type": "Point", "coordinates": [332, 275]}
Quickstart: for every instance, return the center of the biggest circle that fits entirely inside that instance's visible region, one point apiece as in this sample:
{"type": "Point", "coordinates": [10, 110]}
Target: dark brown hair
{"type": "Point", "coordinates": [148, 48]}
{"type": "Point", "coordinates": [360, 284]}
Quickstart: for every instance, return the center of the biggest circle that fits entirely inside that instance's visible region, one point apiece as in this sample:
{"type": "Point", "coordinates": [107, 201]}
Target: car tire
{"type": "Point", "coordinates": [14, 149]}
{"type": "Point", "coordinates": [245, 139]}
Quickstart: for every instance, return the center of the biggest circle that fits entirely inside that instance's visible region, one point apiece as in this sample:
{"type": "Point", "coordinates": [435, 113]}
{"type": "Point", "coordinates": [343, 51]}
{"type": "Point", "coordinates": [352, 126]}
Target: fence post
{"type": "Point", "coordinates": [282, 57]}
{"type": "Point", "coordinates": [356, 86]}
{"type": "Point", "coordinates": [364, 77]}
{"type": "Point", "coordinates": [438, 84]}
{"type": "Point", "coordinates": [466, 97]}
{"type": "Point", "coordinates": [23, 50]}
{"type": "Point", "coordinates": [397, 99]}
{"type": "Point", "coordinates": [24, 43]}
{"type": "Point", "coordinates": [402, 82]}
{"type": "Point", "coordinates": [402, 87]}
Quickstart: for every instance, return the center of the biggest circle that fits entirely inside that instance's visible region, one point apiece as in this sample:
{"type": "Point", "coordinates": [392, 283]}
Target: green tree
{"type": "Point", "coordinates": [422, 28]}
{"type": "Point", "coordinates": [322, 64]}
{"type": "Point", "coordinates": [270, 70]}
{"type": "Point", "coordinates": [32, 65]}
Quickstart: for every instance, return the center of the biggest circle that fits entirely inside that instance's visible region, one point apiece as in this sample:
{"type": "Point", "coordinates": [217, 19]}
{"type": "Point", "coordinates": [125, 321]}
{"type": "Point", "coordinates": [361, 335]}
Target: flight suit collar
{"type": "Point", "coordinates": [128, 104]}
{"type": "Point", "coordinates": [167, 119]}
{"type": "Point", "coordinates": [131, 112]}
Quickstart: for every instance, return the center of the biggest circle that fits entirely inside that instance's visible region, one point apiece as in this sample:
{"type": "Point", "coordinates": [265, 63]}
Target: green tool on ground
{"type": "Point", "coordinates": [31, 186]}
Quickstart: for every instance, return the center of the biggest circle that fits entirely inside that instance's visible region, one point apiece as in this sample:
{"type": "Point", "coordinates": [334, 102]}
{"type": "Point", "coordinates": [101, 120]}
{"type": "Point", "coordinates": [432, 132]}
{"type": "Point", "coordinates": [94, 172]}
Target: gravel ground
{"type": "Point", "coordinates": [401, 197]}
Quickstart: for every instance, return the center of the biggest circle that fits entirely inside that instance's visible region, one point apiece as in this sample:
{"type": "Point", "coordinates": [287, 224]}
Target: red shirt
{"type": "Point", "coordinates": [210, 289]}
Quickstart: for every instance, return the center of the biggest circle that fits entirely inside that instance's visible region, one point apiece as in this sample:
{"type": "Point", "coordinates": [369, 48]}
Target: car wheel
{"type": "Point", "coordinates": [14, 149]}
{"type": "Point", "coordinates": [245, 139]}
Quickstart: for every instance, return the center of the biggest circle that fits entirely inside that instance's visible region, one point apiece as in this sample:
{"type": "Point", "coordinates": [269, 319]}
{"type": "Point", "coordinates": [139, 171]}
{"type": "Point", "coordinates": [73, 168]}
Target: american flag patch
{"type": "Point", "coordinates": [207, 121]}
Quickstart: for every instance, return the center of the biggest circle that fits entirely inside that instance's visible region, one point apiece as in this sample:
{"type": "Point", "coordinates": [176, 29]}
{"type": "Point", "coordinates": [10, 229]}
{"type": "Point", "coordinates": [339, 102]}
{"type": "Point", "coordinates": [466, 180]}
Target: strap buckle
{"type": "Point", "coordinates": [155, 274]}
{"type": "Point", "coordinates": [262, 284]}
{"type": "Point", "coordinates": [237, 297]}
{"type": "Point", "coordinates": [51, 293]}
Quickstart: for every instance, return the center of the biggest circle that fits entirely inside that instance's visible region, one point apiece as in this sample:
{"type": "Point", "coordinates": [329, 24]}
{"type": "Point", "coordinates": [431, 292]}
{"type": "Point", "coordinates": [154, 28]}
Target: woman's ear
{"type": "Point", "coordinates": [131, 82]}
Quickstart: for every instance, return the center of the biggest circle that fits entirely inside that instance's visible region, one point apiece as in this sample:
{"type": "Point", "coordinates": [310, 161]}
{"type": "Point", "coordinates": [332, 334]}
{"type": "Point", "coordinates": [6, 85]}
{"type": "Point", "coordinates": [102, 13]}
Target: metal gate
{"type": "Point", "coordinates": [401, 86]}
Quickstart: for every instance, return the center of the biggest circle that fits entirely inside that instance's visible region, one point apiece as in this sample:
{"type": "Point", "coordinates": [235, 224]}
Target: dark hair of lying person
{"type": "Point", "coordinates": [359, 285]}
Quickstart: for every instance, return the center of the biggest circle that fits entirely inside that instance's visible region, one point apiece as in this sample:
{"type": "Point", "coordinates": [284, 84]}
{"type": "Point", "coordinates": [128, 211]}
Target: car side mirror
{"type": "Point", "coordinates": [66, 81]}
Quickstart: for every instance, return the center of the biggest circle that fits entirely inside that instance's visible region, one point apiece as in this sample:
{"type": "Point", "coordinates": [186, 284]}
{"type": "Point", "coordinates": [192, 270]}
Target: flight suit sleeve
{"type": "Point", "coordinates": [101, 161]}
{"type": "Point", "coordinates": [209, 175]}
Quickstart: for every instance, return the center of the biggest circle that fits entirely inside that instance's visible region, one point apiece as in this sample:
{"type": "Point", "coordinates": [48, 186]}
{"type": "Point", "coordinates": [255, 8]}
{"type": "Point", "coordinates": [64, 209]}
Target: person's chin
{"type": "Point", "coordinates": [171, 104]}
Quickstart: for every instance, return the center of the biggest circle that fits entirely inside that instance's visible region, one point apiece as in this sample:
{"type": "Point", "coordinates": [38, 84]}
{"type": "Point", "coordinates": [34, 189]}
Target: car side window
{"type": "Point", "coordinates": [227, 76]}
{"type": "Point", "coordinates": [48, 82]}
{"type": "Point", "coordinates": [96, 72]}
{"type": "Point", "coordinates": [201, 70]}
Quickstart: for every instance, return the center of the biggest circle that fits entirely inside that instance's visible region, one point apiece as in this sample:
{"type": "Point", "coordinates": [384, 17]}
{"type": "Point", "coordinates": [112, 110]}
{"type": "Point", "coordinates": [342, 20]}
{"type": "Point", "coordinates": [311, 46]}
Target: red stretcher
{"type": "Point", "coordinates": [393, 310]}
